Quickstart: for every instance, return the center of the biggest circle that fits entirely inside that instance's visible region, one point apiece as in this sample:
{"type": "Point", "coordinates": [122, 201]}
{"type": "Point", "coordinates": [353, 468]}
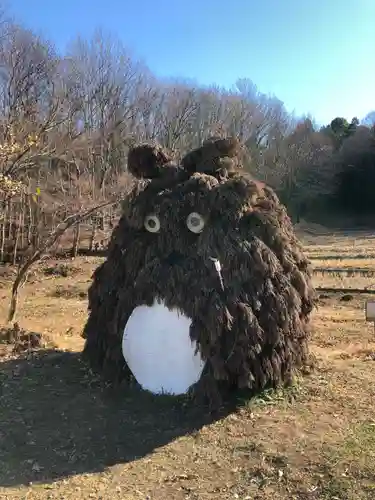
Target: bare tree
{"type": "Point", "coordinates": [68, 222]}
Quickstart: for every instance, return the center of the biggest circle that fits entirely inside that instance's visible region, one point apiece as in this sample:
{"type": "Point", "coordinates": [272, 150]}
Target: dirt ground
{"type": "Point", "coordinates": [64, 435]}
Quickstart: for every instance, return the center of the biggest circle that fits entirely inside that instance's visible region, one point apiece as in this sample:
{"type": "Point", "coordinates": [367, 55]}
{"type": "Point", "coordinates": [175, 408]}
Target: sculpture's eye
{"type": "Point", "coordinates": [152, 223]}
{"type": "Point", "coordinates": [195, 222]}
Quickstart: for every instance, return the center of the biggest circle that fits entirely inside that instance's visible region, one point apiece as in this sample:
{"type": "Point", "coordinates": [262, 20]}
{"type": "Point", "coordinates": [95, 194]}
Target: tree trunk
{"type": "Point", "coordinates": [16, 239]}
{"type": "Point", "coordinates": [77, 233]}
{"type": "Point", "coordinates": [3, 233]}
{"type": "Point", "coordinates": [93, 234]}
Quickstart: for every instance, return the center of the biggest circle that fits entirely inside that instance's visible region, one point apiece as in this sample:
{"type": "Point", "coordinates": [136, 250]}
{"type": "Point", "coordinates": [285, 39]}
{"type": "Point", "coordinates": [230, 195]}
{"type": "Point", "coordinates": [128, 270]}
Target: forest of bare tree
{"type": "Point", "coordinates": [68, 120]}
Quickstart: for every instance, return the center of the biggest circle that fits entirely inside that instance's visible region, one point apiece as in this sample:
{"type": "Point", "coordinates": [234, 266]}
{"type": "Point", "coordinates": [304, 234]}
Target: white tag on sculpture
{"type": "Point", "coordinates": [157, 347]}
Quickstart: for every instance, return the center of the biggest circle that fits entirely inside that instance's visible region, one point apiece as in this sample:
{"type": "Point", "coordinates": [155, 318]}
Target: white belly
{"type": "Point", "coordinates": [158, 350]}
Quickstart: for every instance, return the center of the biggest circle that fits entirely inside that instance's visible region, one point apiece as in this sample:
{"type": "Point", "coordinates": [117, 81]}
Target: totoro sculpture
{"type": "Point", "coordinates": [205, 288]}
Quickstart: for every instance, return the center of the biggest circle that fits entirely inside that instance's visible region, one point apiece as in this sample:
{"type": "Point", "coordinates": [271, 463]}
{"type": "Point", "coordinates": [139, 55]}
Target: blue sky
{"type": "Point", "coordinates": [317, 56]}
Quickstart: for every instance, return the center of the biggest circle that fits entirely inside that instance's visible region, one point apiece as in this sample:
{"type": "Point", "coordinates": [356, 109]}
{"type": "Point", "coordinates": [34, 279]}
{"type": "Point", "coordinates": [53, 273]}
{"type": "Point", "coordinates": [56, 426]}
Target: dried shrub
{"type": "Point", "coordinates": [7, 274]}
{"type": "Point", "coordinates": [254, 330]}
{"type": "Point", "coordinates": [20, 339]}
{"type": "Point", "coordinates": [62, 270]}
{"type": "Point", "coordinates": [69, 292]}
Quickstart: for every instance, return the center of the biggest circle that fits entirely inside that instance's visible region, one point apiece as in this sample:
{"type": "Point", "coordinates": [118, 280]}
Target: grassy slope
{"type": "Point", "coordinates": [64, 436]}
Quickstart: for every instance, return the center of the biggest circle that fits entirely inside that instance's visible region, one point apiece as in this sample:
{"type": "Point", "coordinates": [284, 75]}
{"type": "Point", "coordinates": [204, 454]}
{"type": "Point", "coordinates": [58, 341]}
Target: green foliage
{"type": "Point", "coordinates": [340, 129]}
{"type": "Point", "coordinates": [331, 179]}
{"type": "Point", "coordinates": [355, 183]}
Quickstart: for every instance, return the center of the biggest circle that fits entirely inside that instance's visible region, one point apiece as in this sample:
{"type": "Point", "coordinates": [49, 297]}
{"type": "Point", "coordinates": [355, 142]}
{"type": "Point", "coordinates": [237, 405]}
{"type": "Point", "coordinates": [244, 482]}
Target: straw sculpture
{"type": "Point", "coordinates": [210, 241]}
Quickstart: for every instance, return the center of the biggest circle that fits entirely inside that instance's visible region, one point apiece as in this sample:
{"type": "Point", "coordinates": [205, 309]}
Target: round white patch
{"type": "Point", "coordinates": [157, 347]}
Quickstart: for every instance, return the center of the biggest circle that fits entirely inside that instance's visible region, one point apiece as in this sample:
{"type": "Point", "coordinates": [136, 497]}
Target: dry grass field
{"type": "Point", "coordinates": [63, 435]}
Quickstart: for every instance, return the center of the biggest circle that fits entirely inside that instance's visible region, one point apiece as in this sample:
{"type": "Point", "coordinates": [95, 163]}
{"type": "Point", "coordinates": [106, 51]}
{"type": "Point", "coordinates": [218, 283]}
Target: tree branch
{"type": "Point", "coordinates": [68, 222]}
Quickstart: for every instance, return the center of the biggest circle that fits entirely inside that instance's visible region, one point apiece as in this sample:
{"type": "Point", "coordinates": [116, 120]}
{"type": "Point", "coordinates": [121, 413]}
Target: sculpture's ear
{"type": "Point", "coordinates": [213, 156]}
{"type": "Point", "coordinates": [148, 161]}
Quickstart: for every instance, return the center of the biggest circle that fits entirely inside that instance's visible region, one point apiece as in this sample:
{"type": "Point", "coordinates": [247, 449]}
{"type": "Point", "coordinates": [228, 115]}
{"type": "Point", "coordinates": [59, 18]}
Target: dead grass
{"type": "Point", "coordinates": [63, 435]}
{"type": "Point", "coordinates": [345, 263]}
{"type": "Point", "coordinates": [344, 281]}
{"type": "Point", "coordinates": [358, 244]}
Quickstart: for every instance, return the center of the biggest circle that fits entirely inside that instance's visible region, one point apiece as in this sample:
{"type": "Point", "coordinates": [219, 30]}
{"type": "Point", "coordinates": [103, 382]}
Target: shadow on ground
{"type": "Point", "coordinates": [56, 421]}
